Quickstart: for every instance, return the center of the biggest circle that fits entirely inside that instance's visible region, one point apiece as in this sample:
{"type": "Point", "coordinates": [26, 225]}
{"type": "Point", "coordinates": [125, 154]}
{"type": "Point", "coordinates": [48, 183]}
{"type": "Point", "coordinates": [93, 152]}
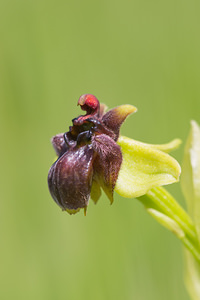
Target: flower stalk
{"type": "Point", "coordinates": [164, 208]}
{"type": "Point", "coordinates": [160, 204]}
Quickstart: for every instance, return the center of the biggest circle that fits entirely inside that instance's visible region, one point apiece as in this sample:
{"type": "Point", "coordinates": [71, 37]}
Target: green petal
{"type": "Point", "coordinates": [95, 191]}
{"type": "Point", "coordinates": [143, 168]}
{"type": "Point", "coordinates": [173, 145]}
{"type": "Point", "coordinates": [190, 179]}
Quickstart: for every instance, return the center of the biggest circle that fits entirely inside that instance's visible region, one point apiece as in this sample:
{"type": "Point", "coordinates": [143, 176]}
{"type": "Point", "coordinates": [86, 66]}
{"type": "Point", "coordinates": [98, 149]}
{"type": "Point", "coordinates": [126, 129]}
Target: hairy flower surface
{"type": "Point", "coordinates": [88, 156]}
{"type": "Point", "coordinates": [92, 156]}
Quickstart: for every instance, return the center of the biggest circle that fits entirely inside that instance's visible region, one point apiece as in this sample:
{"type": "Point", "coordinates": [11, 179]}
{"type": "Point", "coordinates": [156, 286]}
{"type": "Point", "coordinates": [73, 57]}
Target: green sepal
{"type": "Point", "coordinates": [143, 167]}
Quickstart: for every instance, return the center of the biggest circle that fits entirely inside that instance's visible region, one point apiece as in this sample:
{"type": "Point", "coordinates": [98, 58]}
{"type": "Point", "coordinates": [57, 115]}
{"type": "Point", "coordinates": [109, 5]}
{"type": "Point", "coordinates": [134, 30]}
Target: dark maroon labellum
{"type": "Point", "coordinates": [88, 157]}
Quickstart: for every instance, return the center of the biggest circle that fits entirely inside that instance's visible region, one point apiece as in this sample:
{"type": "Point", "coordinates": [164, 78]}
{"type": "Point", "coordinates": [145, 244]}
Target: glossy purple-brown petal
{"type": "Point", "coordinates": [59, 144]}
{"type": "Point", "coordinates": [107, 163]}
{"type": "Point", "coordinates": [70, 178]}
{"type": "Point", "coordinates": [114, 118]}
{"type": "Point", "coordinates": [63, 142]}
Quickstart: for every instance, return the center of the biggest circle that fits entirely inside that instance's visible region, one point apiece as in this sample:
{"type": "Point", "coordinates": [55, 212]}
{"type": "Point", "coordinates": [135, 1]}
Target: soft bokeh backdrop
{"type": "Point", "coordinates": [144, 53]}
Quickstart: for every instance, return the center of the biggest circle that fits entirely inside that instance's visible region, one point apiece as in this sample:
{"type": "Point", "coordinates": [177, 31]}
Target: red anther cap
{"type": "Point", "coordinates": [89, 103]}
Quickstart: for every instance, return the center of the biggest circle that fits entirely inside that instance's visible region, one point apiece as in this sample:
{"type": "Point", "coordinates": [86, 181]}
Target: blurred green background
{"type": "Point", "coordinates": [145, 53]}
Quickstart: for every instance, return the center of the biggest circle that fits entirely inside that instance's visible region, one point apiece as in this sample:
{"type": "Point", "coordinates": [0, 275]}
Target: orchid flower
{"type": "Point", "coordinates": [92, 156]}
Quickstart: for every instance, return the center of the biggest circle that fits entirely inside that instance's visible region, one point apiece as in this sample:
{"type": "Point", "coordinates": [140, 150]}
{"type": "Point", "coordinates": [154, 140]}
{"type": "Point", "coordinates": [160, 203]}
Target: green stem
{"type": "Point", "coordinates": [162, 201]}
{"type": "Point", "coordinates": [195, 252]}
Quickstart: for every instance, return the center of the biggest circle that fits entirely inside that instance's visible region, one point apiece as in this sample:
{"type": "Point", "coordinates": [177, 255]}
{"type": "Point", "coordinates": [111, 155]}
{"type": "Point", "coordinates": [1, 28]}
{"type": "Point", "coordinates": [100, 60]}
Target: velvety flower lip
{"type": "Point", "coordinates": [89, 159]}
{"type": "Point", "coordinates": [92, 156]}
